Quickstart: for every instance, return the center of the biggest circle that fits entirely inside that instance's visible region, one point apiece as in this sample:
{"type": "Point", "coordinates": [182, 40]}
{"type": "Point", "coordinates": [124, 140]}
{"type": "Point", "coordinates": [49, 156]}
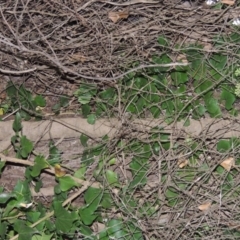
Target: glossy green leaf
{"type": "Point", "coordinates": [131, 108]}
{"type": "Point", "coordinates": [39, 101]}
{"type": "Point", "coordinates": [64, 219]}
{"type": "Point", "coordinates": [171, 193]}
{"type": "Point", "coordinates": [86, 109]}
{"type": "Point", "coordinates": [93, 197]}
{"type": "Point", "coordinates": [115, 228]}
{"type": "Point", "coordinates": [84, 139]}
{"type": "Point", "coordinates": [22, 192]}
{"type": "Point", "coordinates": [24, 231]}
{"type": "Point", "coordinates": [42, 236]}
{"type": "Point", "coordinates": [107, 201]}
{"type": "Point", "coordinates": [163, 59]}
{"type": "Point", "coordinates": [66, 183]}
{"type": "Point", "coordinates": [139, 169]}
{"type": "Point", "coordinates": [85, 93]}
{"type": "Point", "coordinates": [17, 124]}
{"type": "Point", "coordinates": [85, 98]}
{"type": "Point", "coordinates": [229, 98]}
{"type": "Point", "coordinates": [26, 146]}
{"type": "Point", "coordinates": [162, 41]}
{"type": "Point", "coordinates": [33, 217]}
{"type": "Point", "coordinates": [108, 93]}
{"type": "Point", "coordinates": [80, 172]}
{"type": "Point", "coordinates": [112, 178]}
{"type": "Point", "coordinates": [140, 82]}
{"type": "Point", "coordinates": [223, 146]}
{"type": "Point", "coordinates": [217, 65]}
{"type": "Point", "coordinates": [112, 161]}
{"type": "Point", "coordinates": [91, 119]}
{"type": "Point", "coordinates": [155, 111]}
{"type": "Point", "coordinates": [179, 77]}
{"type": "Point", "coordinates": [3, 229]}
{"type": "Point", "coordinates": [140, 104]}
{"type": "Point", "coordinates": [39, 164]}
{"type": "Point", "coordinates": [199, 111]}
{"type": "Point", "coordinates": [213, 107]}
{"type": "Point", "coordinates": [54, 154]}
{"type": "Point", "coordinates": [198, 69]}
{"type": "Point", "coordinates": [87, 215]}
{"type": "Point", "coordinates": [86, 231]}
{"type": "Point", "coordinates": [4, 197]}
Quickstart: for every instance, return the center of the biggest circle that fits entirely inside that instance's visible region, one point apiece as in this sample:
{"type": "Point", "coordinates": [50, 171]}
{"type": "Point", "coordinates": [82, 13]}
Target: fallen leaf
{"type": "Point", "coordinates": [183, 162]}
{"type": "Point", "coordinates": [228, 163]}
{"type": "Point", "coordinates": [115, 16]}
{"type": "Point", "coordinates": [58, 171]}
{"type": "Point", "coordinates": [204, 206]}
{"type": "Point", "coordinates": [182, 58]}
{"type": "Point", "coordinates": [77, 57]}
{"type": "Point", "coordinates": [228, 2]}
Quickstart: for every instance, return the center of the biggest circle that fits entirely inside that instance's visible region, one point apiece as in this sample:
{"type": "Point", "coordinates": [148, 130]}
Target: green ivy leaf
{"type": "Point", "coordinates": [163, 59]}
{"type": "Point", "coordinates": [39, 164]}
{"type": "Point", "coordinates": [223, 146]}
{"type": "Point", "coordinates": [86, 109]}
{"type": "Point", "coordinates": [85, 98]}
{"type": "Point", "coordinates": [172, 196]}
{"type": "Point", "coordinates": [3, 229]}
{"type": "Point", "coordinates": [93, 198]}
{"type": "Point", "coordinates": [179, 77]}
{"type": "Point", "coordinates": [112, 178]}
{"type": "Point", "coordinates": [87, 216]}
{"type": "Point", "coordinates": [26, 146]}
{"type": "Point", "coordinates": [67, 183]}
{"type": "Point", "coordinates": [22, 192]}
{"type": "Point", "coordinates": [54, 155]}
{"type": "Point", "coordinates": [80, 172]}
{"type": "Point", "coordinates": [107, 201]}
{"type": "Point", "coordinates": [42, 236]}
{"type": "Point", "coordinates": [24, 231]}
{"type": "Point", "coordinates": [17, 124]}
{"type": "Point", "coordinates": [162, 41]}
{"type": "Point", "coordinates": [229, 98]}
{"type": "Point", "coordinates": [91, 119]}
{"type": "Point", "coordinates": [39, 101]}
{"type": "Point", "coordinates": [85, 93]}
{"type": "Point", "coordinates": [64, 219]}
{"type": "Point", "coordinates": [108, 94]}
{"type": "Point", "coordinates": [4, 197]}
{"type": "Point", "coordinates": [212, 107]}
{"type": "Point", "coordinates": [115, 228]}
{"type": "Point", "coordinates": [86, 231]}
{"type": "Point", "coordinates": [139, 169]}
{"type": "Point", "coordinates": [84, 139]}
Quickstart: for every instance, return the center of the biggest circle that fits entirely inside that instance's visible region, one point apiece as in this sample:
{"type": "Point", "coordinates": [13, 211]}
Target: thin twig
{"type": "Point", "coordinates": [17, 72]}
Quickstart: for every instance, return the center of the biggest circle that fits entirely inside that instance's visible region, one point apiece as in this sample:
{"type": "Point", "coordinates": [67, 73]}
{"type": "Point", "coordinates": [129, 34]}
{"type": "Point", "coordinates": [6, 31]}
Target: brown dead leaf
{"type": "Point", "coordinates": [228, 163]}
{"type": "Point", "coordinates": [182, 58]}
{"type": "Point", "coordinates": [77, 57]}
{"type": "Point", "coordinates": [228, 2]}
{"type": "Point", "coordinates": [205, 206]}
{"type": "Point", "coordinates": [182, 162]}
{"type": "Point", "coordinates": [59, 172]}
{"type": "Point", "coordinates": [116, 16]}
